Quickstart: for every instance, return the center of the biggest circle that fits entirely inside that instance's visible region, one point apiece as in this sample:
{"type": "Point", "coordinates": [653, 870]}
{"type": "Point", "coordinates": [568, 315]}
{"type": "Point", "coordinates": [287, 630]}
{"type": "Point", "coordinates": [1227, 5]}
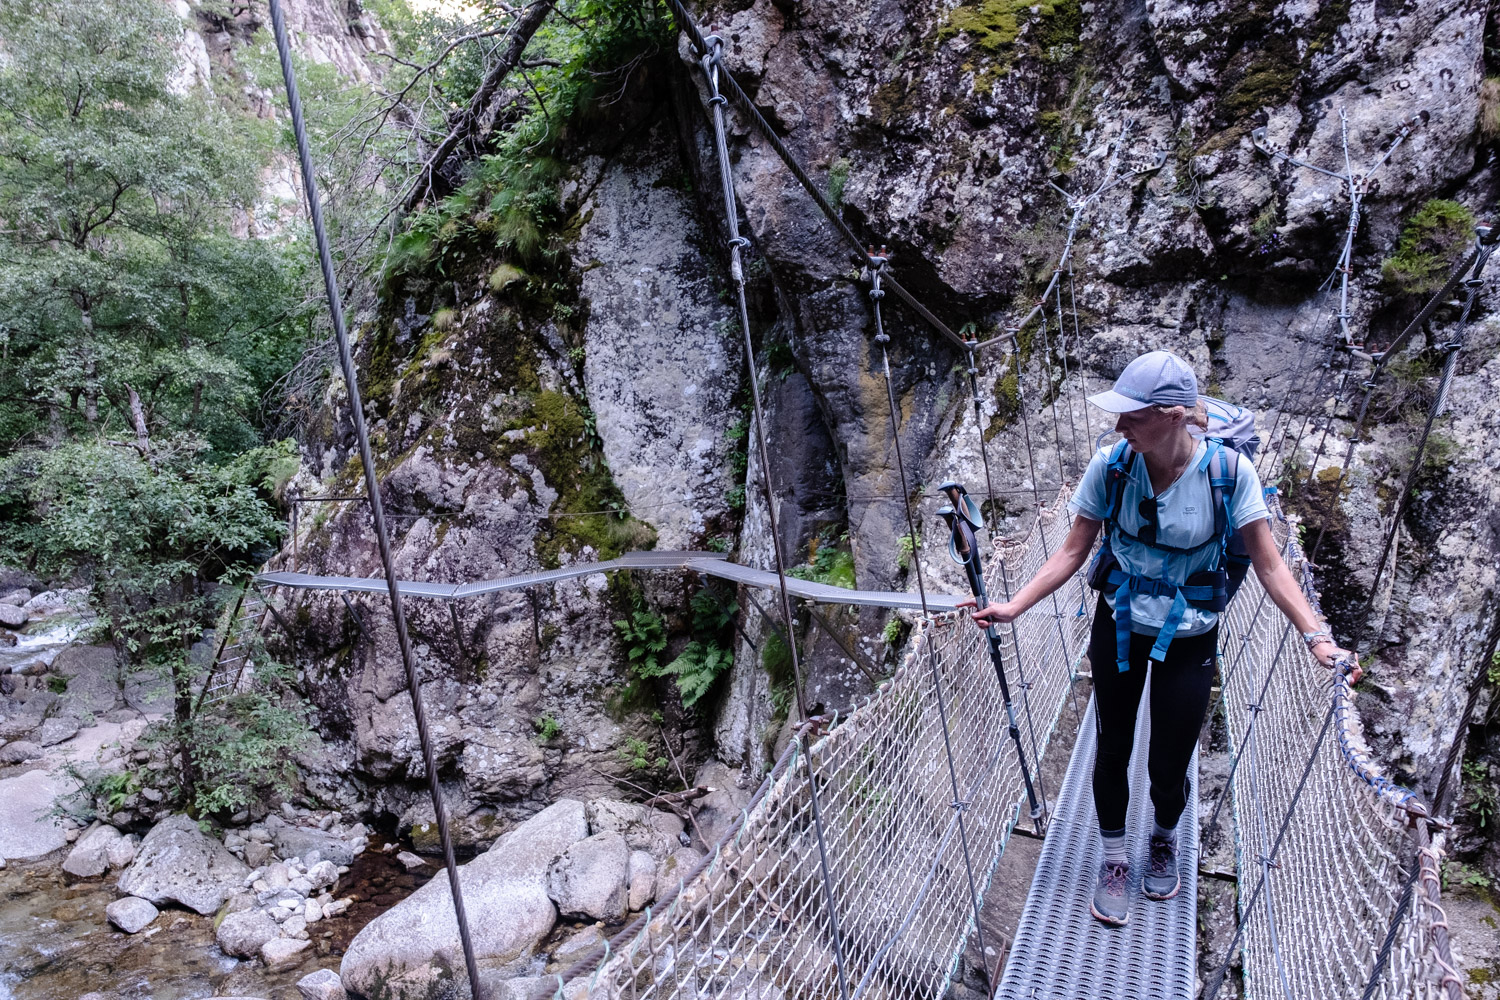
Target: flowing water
{"type": "Point", "coordinates": [38, 646]}
{"type": "Point", "coordinates": [55, 943]}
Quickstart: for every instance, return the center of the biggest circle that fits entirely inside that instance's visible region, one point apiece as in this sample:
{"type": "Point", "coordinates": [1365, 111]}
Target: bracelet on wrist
{"type": "Point", "coordinates": [1314, 638]}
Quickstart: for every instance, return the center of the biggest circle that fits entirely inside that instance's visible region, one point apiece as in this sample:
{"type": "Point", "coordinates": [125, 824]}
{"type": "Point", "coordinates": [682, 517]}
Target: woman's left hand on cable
{"type": "Point", "coordinates": [1328, 653]}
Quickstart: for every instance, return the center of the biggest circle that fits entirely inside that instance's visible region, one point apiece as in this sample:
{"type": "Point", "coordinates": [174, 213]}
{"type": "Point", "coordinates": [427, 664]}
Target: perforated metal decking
{"type": "Point", "coordinates": [1061, 952]}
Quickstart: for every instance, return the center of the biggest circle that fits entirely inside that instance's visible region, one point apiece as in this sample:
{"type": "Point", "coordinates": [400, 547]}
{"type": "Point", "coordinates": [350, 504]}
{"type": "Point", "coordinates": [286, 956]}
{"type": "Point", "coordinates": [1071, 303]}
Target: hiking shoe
{"type": "Point", "coordinates": [1162, 880]}
{"type": "Point", "coordinates": [1111, 903]}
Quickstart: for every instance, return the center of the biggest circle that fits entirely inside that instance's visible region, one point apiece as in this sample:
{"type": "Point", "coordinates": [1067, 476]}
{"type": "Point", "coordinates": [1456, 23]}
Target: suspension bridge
{"type": "Point", "coordinates": [859, 867]}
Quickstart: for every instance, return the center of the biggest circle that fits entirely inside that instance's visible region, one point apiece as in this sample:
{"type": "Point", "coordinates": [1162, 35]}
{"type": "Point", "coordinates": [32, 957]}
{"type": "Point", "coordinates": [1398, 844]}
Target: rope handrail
{"type": "Point", "coordinates": [1339, 865]}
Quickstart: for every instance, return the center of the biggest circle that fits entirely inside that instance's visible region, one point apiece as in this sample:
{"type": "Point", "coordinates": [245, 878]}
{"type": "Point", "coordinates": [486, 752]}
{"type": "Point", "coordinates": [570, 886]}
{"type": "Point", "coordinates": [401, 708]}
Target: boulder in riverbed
{"type": "Point", "coordinates": [588, 882]}
{"type": "Point", "coordinates": [642, 879]}
{"type": "Point", "coordinates": [90, 855]}
{"type": "Point", "coordinates": [644, 828]}
{"type": "Point", "coordinates": [408, 949]}
{"type": "Point", "coordinates": [280, 952]}
{"type": "Point", "coordinates": [28, 829]}
{"type": "Point", "coordinates": [178, 863]}
{"type": "Point", "coordinates": [321, 985]}
{"type": "Point", "coordinates": [19, 752]}
{"type": "Point", "coordinates": [58, 729]}
{"type": "Point", "coordinates": [243, 934]}
{"type": "Point", "coordinates": [12, 616]}
{"type": "Point", "coordinates": [131, 914]}
{"type": "Point", "coordinates": [299, 841]}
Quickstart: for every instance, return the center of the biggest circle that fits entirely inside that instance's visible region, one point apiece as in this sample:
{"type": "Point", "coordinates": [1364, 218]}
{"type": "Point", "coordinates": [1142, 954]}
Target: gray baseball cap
{"type": "Point", "coordinates": [1156, 379]}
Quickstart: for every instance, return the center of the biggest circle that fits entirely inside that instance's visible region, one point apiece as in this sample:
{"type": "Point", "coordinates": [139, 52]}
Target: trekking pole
{"type": "Point", "coordinates": [963, 519]}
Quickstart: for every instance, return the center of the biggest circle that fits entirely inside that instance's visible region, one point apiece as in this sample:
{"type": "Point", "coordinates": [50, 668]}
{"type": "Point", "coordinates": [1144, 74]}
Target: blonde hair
{"type": "Point", "coordinates": [1197, 415]}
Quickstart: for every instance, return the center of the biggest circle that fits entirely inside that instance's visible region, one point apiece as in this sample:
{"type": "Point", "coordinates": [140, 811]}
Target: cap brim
{"type": "Point", "coordinates": [1114, 402]}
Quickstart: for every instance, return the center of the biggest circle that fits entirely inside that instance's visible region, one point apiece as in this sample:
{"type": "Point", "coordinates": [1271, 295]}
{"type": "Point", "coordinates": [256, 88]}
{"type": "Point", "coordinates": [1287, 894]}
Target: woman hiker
{"type": "Point", "coordinates": [1157, 492]}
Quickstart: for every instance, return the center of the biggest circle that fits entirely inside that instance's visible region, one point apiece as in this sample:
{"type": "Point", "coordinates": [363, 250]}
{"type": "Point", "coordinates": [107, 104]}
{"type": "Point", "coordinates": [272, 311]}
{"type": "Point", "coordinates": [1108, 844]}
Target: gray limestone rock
{"type": "Point", "coordinates": [178, 863]}
{"type": "Point", "coordinates": [243, 934]}
{"type": "Point", "coordinates": [58, 729]}
{"type": "Point", "coordinates": [131, 914]}
{"type": "Point", "coordinates": [121, 851]}
{"type": "Point", "coordinates": [257, 853]}
{"type": "Point", "coordinates": [321, 985]}
{"type": "Point", "coordinates": [297, 841]}
{"type": "Point", "coordinates": [12, 616]}
{"type": "Point", "coordinates": [19, 751]}
{"type": "Point", "coordinates": [576, 947]}
{"type": "Point", "coordinates": [644, 828]}
{"type": "Point", "coordinates": [721, 807]}
{"type": "Point", "coordinates": [662, 403]}
{"type": "Point", "coordinates": [410, 946]}
{"type": "Point", "coordinates": [90, 855]}
{"type": "Point", "coordinates": [589, 880]}
{"type": "Point", "coordinates": [323, 873]}
{"type": "Point", "coordinates": [28, 829]}
{"type": "Point", "coordinates": [18, 597]}
{"type": "Point", "coordinates": [281, 952]}
{"type": "Point", "coordinates": [147, 692]}
{"type": "Point", "coordinates": [93, 677]}
{"type": "Point", "coordinates": [641, 880]}
{"type": "Point", "coordinates": [673, 872]}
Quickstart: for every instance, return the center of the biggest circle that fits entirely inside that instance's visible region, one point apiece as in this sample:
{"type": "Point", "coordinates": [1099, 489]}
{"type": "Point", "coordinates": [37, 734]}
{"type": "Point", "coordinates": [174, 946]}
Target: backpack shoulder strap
{"type": "Point", "coordinates": [1221, 481]}
{"type": "Point", "coordinates": [1116, 475]}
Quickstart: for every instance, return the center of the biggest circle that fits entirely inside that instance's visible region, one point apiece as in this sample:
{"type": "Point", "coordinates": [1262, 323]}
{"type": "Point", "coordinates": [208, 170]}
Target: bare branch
{"type": "Point", "coordinates": [464, 127]}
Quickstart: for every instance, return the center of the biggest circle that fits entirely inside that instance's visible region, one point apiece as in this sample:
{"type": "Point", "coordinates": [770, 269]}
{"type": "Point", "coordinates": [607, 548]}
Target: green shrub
{"type": "Point", "coordinates": [99, 793]}
{"type": "Point", "coordinates": [831, 564]}
{"type": "Point", "coordinates": [838, 179]}
{"type": "Point", "coordinates": [906, 547]}
{"type": "Point", "coordinates": [892, 631]}
{"type": "Point", "coordinates": [547, 728]}
{"type": "Point", "coordinates": [1483, 799]}
{"type": "Point", "coordinates": [638, 754]}
{"type": "Point", "coordinates": [1432, 242]}
{"type": "Point", "coordinates": [696, 669]}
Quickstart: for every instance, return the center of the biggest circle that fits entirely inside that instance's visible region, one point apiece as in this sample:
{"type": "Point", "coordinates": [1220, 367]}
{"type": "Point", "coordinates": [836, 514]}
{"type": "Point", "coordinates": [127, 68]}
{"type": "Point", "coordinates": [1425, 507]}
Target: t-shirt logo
{"type": "Point", "coordinates": [1190, 510]}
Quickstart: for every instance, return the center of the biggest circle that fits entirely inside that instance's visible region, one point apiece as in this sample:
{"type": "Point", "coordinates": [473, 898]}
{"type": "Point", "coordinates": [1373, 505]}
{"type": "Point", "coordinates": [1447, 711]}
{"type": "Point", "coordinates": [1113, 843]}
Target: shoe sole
{"type": "Point", "coordinates": [1111, 921]}
{"type": "Point", "coordinates": [1159, 898]}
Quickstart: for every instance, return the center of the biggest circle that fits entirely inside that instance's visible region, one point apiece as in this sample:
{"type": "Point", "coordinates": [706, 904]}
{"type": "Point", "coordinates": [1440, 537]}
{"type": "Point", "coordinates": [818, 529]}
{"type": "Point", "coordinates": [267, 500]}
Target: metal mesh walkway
{"type": "Point", "coordinates": [1060, 951]}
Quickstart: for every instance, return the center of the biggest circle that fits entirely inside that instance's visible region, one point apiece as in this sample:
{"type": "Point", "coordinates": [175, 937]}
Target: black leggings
{"type": "Point", "coordinates": [1179, 699]}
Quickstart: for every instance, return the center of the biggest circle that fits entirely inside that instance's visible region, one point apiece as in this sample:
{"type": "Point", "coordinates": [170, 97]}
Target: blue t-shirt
{"type": "Point", "coordinates": [1186, 518]}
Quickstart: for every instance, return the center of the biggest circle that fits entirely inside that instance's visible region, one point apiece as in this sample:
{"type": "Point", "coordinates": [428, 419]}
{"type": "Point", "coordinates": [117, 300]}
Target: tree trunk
{"type": "Point", "coordinates": [138, 418]}
{"type": "Point", "coordinates": [464, 127]}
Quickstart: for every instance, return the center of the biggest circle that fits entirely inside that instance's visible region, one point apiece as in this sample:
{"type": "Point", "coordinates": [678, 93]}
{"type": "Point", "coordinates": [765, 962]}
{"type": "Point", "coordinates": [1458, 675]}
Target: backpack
{"type": "Point", "coordinates": [1231, 436]}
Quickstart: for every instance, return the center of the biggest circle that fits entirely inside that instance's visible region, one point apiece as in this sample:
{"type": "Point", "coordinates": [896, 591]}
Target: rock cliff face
{"type": "Point", "coordinates": [513, 408]}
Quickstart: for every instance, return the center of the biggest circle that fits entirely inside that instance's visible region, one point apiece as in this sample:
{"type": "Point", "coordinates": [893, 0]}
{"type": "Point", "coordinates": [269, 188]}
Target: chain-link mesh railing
{"type": "Point", "coordinates": [752, 921]}
{"type": "Point", "coordinates": [1330, 838]}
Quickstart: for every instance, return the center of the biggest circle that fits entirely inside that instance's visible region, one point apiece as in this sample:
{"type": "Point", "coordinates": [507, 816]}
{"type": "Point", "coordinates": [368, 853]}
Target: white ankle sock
{"type": "Point", "coordinates": [1114, 850]}
{"type": "Point", "coordinates": [1165, 832]}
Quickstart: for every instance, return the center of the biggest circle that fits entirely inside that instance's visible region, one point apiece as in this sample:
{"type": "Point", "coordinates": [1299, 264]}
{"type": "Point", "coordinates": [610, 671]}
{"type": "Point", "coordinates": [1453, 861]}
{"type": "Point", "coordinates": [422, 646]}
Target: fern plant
{"type": "Point", "coordinates": [696, 669]}
{"type": "Point", "coordinates": [645, 638]}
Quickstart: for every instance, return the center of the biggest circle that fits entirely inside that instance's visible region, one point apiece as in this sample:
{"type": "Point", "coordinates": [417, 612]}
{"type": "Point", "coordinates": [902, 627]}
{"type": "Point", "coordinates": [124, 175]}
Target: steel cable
{"type": "Point", "coordinates": [876, 293]}
{"type": "Point", "coordinates": [372, 489]}
{"type": "Point", "coordinates": [711, 65]}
